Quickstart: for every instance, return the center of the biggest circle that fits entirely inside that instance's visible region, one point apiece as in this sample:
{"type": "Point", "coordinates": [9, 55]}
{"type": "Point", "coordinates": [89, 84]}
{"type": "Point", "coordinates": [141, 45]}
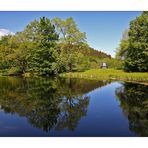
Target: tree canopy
{"type": "Point", "coordinates": [134, 49]}
{"type": "Point", "coordinates": [71, 39]}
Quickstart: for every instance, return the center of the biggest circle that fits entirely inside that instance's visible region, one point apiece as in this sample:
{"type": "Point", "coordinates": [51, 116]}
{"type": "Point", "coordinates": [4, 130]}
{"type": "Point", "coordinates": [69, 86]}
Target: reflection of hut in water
{"type": "Point", "coordinates": [103, 65]}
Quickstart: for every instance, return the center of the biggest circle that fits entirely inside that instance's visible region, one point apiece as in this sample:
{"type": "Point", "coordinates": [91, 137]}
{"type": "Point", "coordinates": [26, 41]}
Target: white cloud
{"type": "Point", "coordinates": [4, 32]}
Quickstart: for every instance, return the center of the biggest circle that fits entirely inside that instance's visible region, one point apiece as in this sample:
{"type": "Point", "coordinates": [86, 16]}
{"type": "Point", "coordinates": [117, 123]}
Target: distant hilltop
{"type": "Point", "coordinates": [97, 53]}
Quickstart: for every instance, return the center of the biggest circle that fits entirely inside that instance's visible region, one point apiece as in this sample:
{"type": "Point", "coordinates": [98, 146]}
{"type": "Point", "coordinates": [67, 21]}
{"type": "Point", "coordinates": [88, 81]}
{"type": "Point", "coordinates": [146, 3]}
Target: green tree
{"type": "Point", "coordinates": [5, 50]}
{"type": "Point", "coordinates": [137, 51]}
{"type": "Point", "coordinates": [19, 53]}
{"type": "Point", "coordinates": [44, 55]}
{"type": "Point", "coordinates": [70, 37]}
{"type": "Point", "coordinates": [14, 51]}
{"type": "Point", "coordinates": [121, 51]}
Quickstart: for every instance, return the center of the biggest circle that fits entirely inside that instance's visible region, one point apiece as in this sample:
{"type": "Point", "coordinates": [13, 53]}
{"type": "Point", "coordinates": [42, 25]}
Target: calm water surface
{"type": "Point", "coordinates": [72, 107]}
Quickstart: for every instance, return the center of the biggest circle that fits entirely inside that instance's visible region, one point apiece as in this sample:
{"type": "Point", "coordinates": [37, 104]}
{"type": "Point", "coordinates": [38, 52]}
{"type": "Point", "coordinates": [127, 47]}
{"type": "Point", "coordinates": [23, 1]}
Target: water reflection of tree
{"type": "Point", "coordinates": [134, 102]}
{"type": "Point", "coordinates": [47, 103]}
{"type": "Point", "coordinates": [74, 103]}
{"type": "Point", "coordinates": [71, 112]}
{"type": "Point", "coordinates": [37, 100]}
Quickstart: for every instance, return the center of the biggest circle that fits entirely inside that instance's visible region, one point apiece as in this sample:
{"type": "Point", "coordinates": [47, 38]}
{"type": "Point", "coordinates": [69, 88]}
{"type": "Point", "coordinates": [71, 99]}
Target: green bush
{"type": "Point", "coordinates": [14, 71]}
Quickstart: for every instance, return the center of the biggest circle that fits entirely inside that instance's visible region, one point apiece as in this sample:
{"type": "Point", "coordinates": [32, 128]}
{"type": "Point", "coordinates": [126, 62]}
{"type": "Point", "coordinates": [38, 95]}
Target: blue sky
{"type": "Point", "coordinates": [103, 29]}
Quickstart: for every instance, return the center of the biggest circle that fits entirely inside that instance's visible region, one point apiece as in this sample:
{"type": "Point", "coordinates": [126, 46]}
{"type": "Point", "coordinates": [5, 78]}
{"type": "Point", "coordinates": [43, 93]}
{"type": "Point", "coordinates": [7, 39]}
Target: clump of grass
{"type": "Point", "coordinates": [109, 74]}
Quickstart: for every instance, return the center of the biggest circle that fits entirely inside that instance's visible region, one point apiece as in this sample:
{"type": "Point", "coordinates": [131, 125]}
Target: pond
{"type": "Point", "coordinates": [72, 107]}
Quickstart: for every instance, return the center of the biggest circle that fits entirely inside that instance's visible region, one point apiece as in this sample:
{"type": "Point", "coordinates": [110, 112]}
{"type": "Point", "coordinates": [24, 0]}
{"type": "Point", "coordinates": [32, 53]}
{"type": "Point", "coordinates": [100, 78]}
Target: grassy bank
{"type": "Point", "coordinates": [113, 74]}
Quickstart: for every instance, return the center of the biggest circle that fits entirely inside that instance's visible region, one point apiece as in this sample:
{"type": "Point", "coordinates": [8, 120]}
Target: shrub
{"type": "Point", "coordinates": [14, 71]}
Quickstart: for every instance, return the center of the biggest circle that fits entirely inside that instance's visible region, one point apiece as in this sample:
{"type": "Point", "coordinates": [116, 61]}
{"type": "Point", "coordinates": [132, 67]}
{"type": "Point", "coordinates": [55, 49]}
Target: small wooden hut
{"type": "Point", "coordinates": [103, 65]}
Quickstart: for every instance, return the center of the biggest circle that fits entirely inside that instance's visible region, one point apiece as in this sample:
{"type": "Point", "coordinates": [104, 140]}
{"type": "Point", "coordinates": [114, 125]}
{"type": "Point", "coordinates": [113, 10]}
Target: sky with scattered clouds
{"type": "Point", "coordinates": [103, 29]}
{"type": "Point", "coordinates": [4, 32]}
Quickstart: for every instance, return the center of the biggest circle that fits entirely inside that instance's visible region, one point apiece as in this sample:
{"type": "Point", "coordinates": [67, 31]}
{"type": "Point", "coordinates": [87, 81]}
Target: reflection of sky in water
{"type": "Point", "coordinates": [13, 125]}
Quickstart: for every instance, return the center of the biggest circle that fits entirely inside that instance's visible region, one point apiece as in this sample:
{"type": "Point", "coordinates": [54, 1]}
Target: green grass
{"type": "Point", "coordinates": [100, 74]}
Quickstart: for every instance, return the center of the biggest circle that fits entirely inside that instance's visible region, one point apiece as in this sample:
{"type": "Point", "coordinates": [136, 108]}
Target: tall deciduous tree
{"type": "Point", "coordinates": [70, 37]}
{"type": "Point", "coordinates": [137, 51]}
{"type": "Point", "coordinates": [121, 51]}
{"type": "Point", "coordinates": [4, 51]}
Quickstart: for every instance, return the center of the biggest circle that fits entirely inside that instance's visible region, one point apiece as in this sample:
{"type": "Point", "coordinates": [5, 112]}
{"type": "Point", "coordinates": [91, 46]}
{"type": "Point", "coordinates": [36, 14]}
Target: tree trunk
{"type": "Point", "coordinates": [70, 67]}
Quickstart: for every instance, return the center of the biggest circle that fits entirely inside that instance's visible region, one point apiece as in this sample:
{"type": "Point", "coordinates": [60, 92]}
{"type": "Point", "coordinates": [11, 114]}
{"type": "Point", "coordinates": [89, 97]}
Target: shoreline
{"type": "Point", "coordinates": [98, 74]}
{"type": "Point", "coordinates": [109, 74]}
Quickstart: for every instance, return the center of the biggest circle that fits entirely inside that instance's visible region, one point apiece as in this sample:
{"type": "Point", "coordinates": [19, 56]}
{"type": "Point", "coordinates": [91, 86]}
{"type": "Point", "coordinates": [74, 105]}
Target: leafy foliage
{"type": "Point", "coordinates": [70, 37]}
{"type": "Point", "coordinates": [121, 51]}
{"type": "Point", "coordinates": [43, 35]}
{"type": "Point", "coordinates": [32, 49]}
{"type": "Point", "coordinates": [137, 45]}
